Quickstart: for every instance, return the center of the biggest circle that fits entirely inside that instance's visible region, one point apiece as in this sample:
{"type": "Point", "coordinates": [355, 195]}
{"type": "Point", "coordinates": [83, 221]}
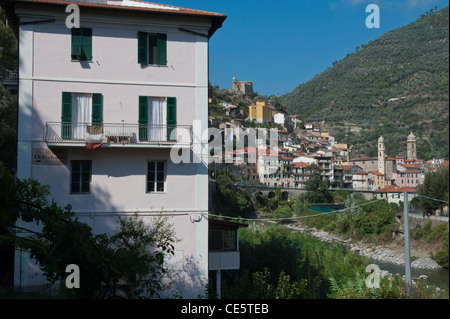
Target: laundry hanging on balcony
{"type": "Point", "coordinates": [95, 137]}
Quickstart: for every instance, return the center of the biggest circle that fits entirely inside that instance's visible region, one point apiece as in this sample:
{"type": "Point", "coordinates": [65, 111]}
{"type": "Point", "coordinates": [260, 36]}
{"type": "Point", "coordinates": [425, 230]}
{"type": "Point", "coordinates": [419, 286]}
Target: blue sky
{"type": "Point", "coordinates": [280, 44]}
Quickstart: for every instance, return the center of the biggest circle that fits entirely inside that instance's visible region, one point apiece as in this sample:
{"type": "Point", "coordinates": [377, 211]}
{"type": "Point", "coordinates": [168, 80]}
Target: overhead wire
{"type": "Point", "coordinates": [435, 199]}
{"type": "Point", "coordinates": [309, 216]}
{"type": "Point", "coordinates": [294, 217]}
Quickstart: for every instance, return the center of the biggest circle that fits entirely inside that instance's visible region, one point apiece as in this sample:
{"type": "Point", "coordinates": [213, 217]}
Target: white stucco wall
{"type": "Point", "coordinates": [118, 184]}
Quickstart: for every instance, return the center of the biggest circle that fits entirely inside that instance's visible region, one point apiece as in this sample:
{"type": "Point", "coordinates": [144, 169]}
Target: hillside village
{"type": "Point", "coordinates": [103, 147]}
{"type": "Point", "coordinates": [303, 146]}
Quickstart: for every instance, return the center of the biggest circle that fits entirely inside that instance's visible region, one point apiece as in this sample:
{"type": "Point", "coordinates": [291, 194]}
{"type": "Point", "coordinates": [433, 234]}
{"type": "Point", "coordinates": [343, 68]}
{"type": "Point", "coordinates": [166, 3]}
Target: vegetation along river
{"type": "Point", "coordinates": [436, 277]}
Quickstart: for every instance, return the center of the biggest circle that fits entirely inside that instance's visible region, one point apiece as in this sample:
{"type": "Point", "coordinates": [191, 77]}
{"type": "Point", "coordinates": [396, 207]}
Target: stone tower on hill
{"type": "Point", "coordinates": [242, 87]}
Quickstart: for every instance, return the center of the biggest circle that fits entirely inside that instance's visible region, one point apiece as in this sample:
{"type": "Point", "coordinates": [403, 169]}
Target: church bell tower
{"type": "Point", "coordinates": [411, 148]}
{"type": "Point", "coordinates": [381, 156]}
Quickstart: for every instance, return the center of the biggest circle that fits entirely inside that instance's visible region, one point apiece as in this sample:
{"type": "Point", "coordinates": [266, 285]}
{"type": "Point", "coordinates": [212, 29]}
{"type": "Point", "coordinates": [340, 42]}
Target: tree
{"type": "Point", "coordinates": [317, 190]}
{"type": "Point", "coordinates": [8, 101]}
{"type": "Point", "coordinates": [229, 201]}
{"type": "Point", "coordinates": [62, 240]}
{"type": "Point", "coordinates": [282, 211]}
{"type": "Point", "coordinates": [435, 185]}
{"type": "Point", "coordinates": [139, 250]}
{"type": "Point", "coordinates": [8, 44]}
{"type": "Point", "coordinates": [135, 252]}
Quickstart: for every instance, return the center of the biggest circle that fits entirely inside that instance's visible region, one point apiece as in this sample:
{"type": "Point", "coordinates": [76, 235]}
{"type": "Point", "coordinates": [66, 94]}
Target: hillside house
{"type": "Point", "coordinates": [360, 181]}
{"type": "Point", "coordinates": [408, 178]}
{"type": "Point", "coordinates": [301, 174]}
{"type": "Point", "coordinates": [260, 112]}
{"type": "Point", "coordinates": [379, 180]}
{"type": "Point", "coordinates": [348, 171]}
{"type": "Point", "coordinates": [395, 194]}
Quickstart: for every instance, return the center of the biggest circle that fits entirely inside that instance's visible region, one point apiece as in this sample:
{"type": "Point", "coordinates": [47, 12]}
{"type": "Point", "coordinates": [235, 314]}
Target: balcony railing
{"type": "Point", "coordinates": [8, 74]}
{"type": "Point", "coordinates": [117, 134]}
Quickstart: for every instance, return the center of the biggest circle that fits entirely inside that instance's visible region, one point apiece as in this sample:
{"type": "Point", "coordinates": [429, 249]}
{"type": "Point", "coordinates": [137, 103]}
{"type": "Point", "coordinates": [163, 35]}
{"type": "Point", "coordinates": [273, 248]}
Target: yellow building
{"type": "Point", "coordinates": [379, 180]}
{"type": "Point", "coordinates": [260, 112]}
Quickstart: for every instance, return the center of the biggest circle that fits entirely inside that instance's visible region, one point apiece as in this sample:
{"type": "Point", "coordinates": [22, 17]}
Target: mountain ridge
{"type": "Point", "coordinates": [395, 84]}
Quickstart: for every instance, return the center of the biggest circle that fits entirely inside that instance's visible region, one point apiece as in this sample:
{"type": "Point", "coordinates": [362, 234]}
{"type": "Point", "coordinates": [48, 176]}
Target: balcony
{"type": "Point", "coordinates": [224, 260]}
{"type": "Point", "coordinates": [9, 78]}
{"type": "Point", "coordinates": [117, 135]}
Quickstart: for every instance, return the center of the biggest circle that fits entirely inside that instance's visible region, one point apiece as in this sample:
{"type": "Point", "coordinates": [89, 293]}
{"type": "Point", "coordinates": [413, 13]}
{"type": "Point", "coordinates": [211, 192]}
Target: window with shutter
{"type": "Point", "coordinates": [82, 44]}
{"type": "Point", "coordinates": [97, 109]}
{"type": "Point", "coordinates": [143, 118]}
{"type": "Point", "coordinates": [161, 48]}
{"type": "Point", "coordinates": [66, 115]}
{"type": "Point", "coordinates": [152, 48]}
{"type": "Point", "coordinates": [171, 118]}
{"type": "Point", "coordinates": [142, 48]}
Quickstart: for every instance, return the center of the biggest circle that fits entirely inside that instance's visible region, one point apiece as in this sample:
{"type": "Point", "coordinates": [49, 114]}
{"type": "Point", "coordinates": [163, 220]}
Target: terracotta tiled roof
{"type": "Point", "coordinates": [129, 5]}
{"type": "Point", "coordinates": [410, 171]}
{"type": "Point", "coordinates": [300, 165]}
{"type": "Point", "coordinates": [409, 165]}
{"type": "Point", "coordinates": [376, 173]}
{"type": "Point", "coordinates": [396, 189]}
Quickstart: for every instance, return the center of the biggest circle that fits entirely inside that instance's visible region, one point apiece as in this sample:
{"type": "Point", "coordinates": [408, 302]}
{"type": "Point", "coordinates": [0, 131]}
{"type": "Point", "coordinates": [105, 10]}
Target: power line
{"type": "Point", "coordinates": [296, 217]}
{"type": "Point", "coordinates": [435, 199]}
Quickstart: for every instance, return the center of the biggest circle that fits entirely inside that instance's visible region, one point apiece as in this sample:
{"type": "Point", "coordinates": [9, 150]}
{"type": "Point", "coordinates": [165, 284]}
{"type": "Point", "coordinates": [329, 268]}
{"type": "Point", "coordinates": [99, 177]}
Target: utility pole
{"type": "Point", "coordinates": [407, 248]}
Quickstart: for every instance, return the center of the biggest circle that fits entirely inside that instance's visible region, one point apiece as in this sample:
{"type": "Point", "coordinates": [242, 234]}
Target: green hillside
{"type": "Point", "coordinates": [411, 64]}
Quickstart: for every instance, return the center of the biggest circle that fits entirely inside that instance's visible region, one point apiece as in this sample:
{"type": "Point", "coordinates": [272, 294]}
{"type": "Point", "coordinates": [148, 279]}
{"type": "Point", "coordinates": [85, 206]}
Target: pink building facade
{"type": "Point", "coordinates": [102, 107]}
{"type": "Point", "coordinates": [408, 178]}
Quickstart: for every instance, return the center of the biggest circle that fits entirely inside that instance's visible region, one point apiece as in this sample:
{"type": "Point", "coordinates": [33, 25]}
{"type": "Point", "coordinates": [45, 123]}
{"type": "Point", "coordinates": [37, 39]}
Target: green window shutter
{"type": "Point", "coordinates": [76, 43]}
{"type": "Point", "coordinates": [82, 44]}
{"type": "Point", "coordinates": [161, 49]}
{"type": "Point", "coordinates": [86, 44]}
{"type": "Point", "coordinates": [143, 118]}
{"type": "Point", "coordinates": [97, 108]}
{"type": "Point", "coordinates": [171, 117]}
{"type": "Point", "coordinates": [142, 47]}
{"type": "Point", "coordinates": [66, 115]}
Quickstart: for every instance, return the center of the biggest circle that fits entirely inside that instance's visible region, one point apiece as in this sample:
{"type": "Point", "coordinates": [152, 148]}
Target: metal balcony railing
{"type": "Point", "coordinates": [7, 74]}
{"type": "Point", "coordinates": [117, 133]}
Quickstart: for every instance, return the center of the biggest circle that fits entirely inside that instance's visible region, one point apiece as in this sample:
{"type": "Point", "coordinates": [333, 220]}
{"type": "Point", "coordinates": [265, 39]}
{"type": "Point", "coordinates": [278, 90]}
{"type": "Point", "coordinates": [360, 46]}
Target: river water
{"type": "Point", "coordinates": [436, 277]}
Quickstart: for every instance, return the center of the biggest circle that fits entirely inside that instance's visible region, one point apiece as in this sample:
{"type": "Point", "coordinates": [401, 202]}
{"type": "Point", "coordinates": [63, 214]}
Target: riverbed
{"type": "Point", "coordinates": [386, 258]}
{"type": "Point", "coordinates": [436, 277]}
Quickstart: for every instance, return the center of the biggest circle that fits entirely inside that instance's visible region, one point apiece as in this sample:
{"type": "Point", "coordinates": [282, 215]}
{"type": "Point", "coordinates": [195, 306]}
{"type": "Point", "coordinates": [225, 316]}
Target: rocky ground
{"type": "Point", "coordinates": [390, 253]}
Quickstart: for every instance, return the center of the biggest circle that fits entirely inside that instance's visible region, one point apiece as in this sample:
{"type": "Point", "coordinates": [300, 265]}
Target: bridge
{"type": "Point", "coordinates": [288, 192]}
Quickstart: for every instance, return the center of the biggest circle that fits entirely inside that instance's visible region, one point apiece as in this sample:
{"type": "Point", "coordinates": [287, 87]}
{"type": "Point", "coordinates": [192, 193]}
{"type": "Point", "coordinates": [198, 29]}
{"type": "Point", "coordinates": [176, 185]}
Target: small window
{"type": "Point", "coordinates": [222, 240]}
{"type": "Point", "coordinates": [156, 177]}
{"type": "Point", "coordinates": [81, 173]}
{"type": "Point", "coordinates": [152, 48]}
{"type": "Point", "coordinates": [82, 44]}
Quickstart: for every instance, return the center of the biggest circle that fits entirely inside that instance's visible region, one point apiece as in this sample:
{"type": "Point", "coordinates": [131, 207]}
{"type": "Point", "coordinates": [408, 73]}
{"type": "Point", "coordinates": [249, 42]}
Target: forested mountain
{"type": "Point", "coordinates": [395, 84]}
